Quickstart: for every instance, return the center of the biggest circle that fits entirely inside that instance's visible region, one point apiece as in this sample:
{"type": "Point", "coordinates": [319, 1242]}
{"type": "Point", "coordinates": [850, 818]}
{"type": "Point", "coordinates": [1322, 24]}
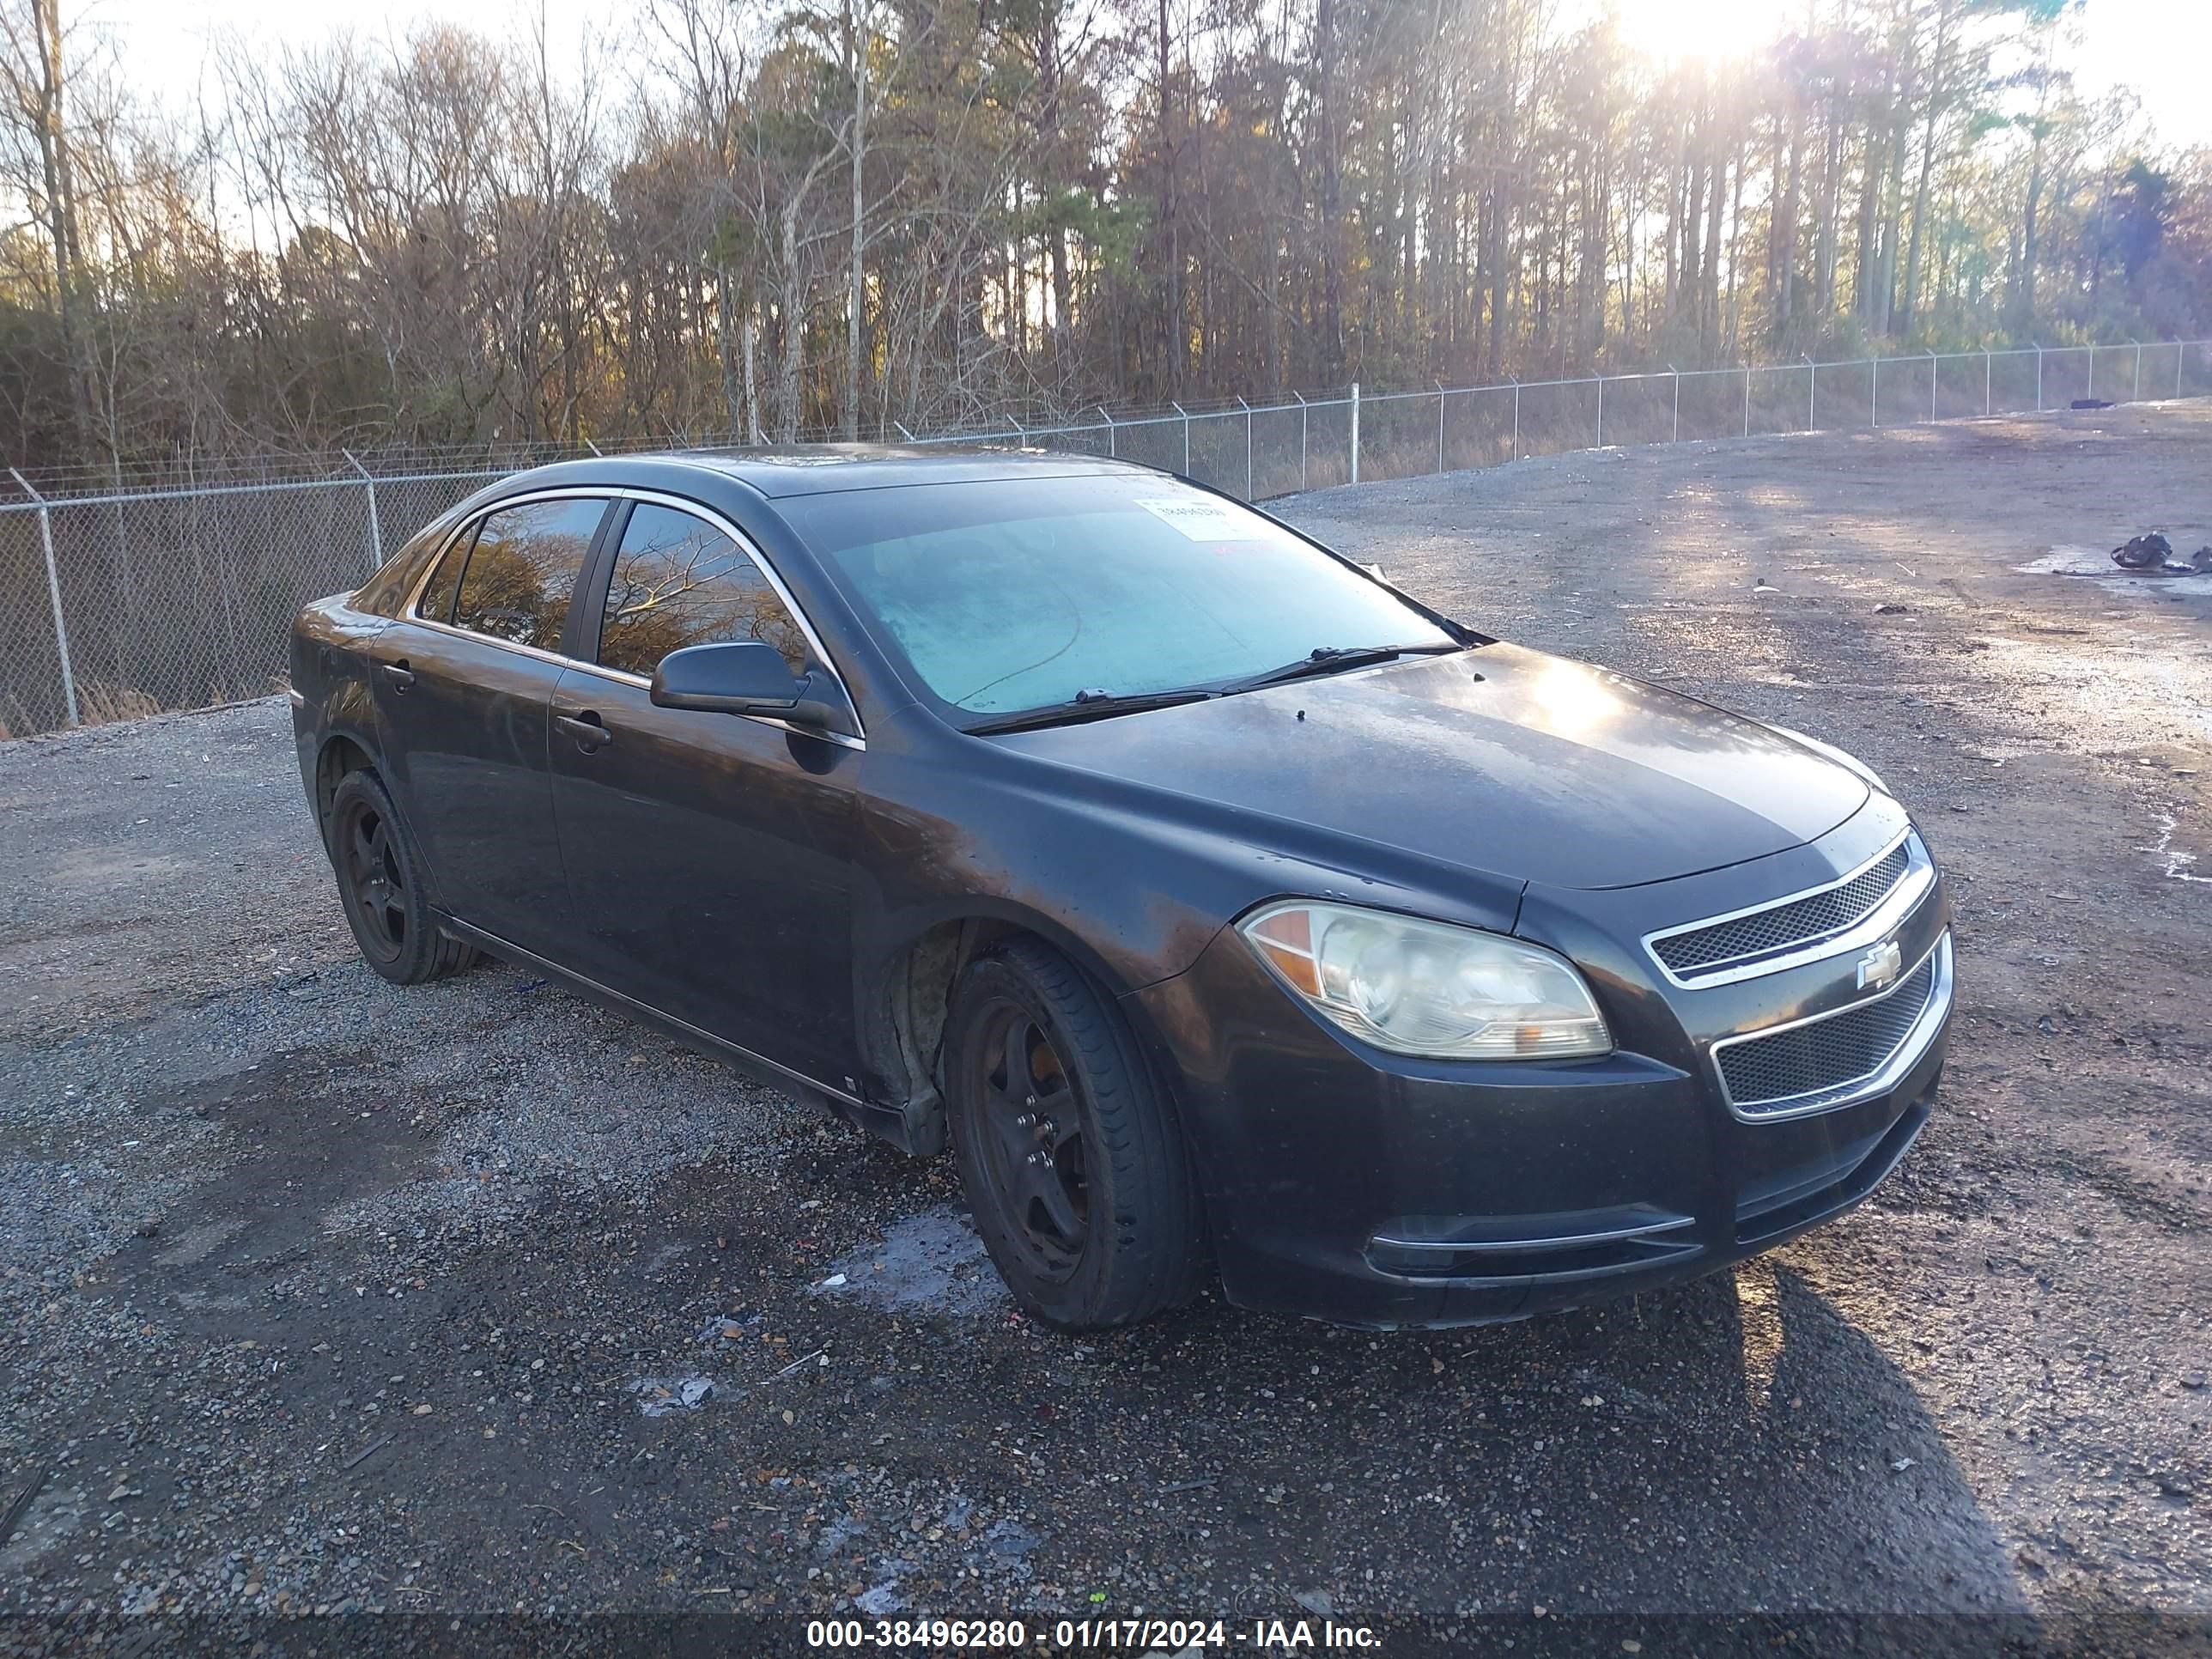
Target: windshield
{"type": "Point", "coordinates": [1019, 593]}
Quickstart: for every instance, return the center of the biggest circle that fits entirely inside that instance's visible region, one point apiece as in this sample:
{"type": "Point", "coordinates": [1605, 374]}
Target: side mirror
{"type": "Point", "coordinates": [748, 677]}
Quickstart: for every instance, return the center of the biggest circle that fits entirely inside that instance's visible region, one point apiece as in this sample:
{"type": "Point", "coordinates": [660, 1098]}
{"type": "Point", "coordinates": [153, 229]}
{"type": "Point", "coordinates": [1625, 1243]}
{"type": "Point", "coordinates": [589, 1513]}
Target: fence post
{"type": "Point", "coordinates": [1678, 401]}
{"type": "Point", "coordinates": [1113, 438]}
{"type": "Point", "coordinates": [1180, 410]}
{"type": "Point", "coordinates": [1517, 411]}
{"type": "Point", "coordinates": [903, 432]}
{"type": "Point", "coordinates": [2135, 396]}
{"type": "Point", "coordinates": [1600, 444]}
{"type": "Point", "coordinates": [2039, 375]}
{"type": "Point", "coordinates": [1933, 414]}
{"type": "Point", "coordinates": [2180, 356]}
{"type": "Point", "coordinates": [1301, 397]}
{"type": "Point", "coordinates": [53, 596]}
{"type": "Point", "coordinates": [1440, 427]}
{"type": "Point", "coordinates": [1812, 389]}
{"type": "Point", "coordinates": [1247, 449]}
{"type": "Point", "coordinates": [2091, 390]}
{"type": "Point", "coordinates": [1874, 393]}
{"type": "Point", "coordinates": [375, 529]}
{"type": "Point", "coordinates": [1355, 432]}
{"type": "Point", "coordinates": [1988, 364]}
{"type": "Point", "coordinates": [1746, 400]}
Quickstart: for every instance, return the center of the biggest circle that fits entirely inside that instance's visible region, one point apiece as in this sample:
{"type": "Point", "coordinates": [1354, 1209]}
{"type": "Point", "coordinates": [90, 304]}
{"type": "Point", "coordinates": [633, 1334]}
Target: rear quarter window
{"type": "Point", "coordinates": [385, 593]}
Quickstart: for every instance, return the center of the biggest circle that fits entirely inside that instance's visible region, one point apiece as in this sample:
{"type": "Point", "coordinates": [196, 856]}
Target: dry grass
{"type": "Point", "coordinates": [103, 702]}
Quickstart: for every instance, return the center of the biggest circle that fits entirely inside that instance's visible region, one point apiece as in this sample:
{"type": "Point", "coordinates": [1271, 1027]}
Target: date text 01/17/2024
{"type": "Point", "coordinates": [1179, 1636]}
{"type": "Point", "coordinates": [1128, 1635]}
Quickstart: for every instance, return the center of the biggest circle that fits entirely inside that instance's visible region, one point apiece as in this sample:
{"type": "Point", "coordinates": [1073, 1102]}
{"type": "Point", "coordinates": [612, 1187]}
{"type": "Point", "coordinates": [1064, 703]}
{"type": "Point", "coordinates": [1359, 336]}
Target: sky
{"type": "Point", "coordinates": [2161, 48]}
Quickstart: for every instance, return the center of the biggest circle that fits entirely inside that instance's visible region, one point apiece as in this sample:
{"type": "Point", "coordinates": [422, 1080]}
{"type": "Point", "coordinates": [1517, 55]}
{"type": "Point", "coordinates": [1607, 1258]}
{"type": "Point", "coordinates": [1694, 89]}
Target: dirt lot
{"type": "Point", "coordinates": [320, 1295]}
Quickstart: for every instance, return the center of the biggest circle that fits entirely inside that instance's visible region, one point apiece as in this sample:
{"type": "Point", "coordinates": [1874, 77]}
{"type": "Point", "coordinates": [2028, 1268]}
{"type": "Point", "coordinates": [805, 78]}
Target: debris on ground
{"type": "Point", "coordinates": [657, 1396]}
{"type": "Point", "coordinates": [2073, 559]}
{"type": "Point", "coordinates": [2152, 555]}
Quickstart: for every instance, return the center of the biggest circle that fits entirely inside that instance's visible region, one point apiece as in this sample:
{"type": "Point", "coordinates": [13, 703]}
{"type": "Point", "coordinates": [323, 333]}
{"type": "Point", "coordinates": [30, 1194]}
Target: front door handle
{"type": "Point", "coordinates": [590, 734]}
{"type": "Point", "coordinates": [399, 674]}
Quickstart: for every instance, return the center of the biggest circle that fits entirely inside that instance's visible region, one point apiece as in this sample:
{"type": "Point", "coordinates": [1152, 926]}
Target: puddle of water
{"type": "Point", "coordinates": [933, 1263]}
{"type": "Point", "coordinates": [54, 1514]}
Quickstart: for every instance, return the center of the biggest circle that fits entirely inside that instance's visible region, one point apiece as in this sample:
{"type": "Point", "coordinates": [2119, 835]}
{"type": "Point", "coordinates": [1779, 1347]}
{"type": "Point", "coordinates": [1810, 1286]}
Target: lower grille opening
{"type": "Point", "coordinates": [1792, 1204]}
{"type": "Point", "coordinates": [1577, 1245]}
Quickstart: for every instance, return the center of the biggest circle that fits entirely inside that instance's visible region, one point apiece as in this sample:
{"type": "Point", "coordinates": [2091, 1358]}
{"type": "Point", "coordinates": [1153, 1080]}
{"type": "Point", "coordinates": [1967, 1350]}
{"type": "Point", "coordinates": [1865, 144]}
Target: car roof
{"type": "Point", "coordinates": [828, 469]}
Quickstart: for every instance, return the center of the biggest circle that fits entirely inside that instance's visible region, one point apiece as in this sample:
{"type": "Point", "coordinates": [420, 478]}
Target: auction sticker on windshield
{"type": "Point", "coordinates": [1204, 519]}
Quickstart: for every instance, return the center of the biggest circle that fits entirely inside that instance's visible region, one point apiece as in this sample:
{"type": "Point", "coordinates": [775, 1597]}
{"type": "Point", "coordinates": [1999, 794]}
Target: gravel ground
{"type": "Point", "coordinates": [322, 1296]}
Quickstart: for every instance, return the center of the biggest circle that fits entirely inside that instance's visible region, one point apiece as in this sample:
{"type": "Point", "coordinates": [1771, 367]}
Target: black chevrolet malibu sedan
{"type": "Point", "coordinates": [1228, 911]}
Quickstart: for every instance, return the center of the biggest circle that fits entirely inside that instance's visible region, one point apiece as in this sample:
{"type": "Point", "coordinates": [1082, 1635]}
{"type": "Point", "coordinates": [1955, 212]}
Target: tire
{"type": "Point", "coordinates": [381, 887]}
{"type": "Point", "coordinates": [1047, 1092]}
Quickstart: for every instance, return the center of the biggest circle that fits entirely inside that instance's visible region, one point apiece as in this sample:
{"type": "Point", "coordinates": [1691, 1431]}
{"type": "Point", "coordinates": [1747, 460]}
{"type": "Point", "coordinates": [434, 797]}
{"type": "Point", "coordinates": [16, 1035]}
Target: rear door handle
{"type": "Point", "coordinates": [399, 674]}
{"type": "Point", "coordinates": [590, 734]}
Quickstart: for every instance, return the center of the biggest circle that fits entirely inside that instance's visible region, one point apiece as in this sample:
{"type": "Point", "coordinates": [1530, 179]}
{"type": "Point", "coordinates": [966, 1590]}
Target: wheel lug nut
{"type": "Point", "coordinates": [1025, 1120]}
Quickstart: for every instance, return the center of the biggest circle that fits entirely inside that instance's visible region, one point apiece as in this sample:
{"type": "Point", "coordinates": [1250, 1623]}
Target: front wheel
{"type": "Point", "coordinates": [1068, 1149]}
{"type": "Point", "coordinates": [381, 884]}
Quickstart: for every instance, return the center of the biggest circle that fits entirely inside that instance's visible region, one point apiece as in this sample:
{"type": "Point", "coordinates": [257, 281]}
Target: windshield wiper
{"type": "Point", "coordinates": [1334, 658]}
{"type": "Point", "coordinates": [1086, 705]}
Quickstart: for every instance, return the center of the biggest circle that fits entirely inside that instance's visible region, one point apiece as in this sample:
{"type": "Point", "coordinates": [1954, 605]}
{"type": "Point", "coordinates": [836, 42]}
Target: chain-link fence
{"type": "Point", "coordinates": [124, 603]}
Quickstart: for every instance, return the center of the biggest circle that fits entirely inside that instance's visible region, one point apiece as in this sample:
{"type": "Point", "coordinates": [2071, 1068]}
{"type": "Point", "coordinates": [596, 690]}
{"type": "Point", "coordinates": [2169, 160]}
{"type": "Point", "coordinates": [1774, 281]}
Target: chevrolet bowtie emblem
{"type": "Point", "coordinates": [1879, 966]}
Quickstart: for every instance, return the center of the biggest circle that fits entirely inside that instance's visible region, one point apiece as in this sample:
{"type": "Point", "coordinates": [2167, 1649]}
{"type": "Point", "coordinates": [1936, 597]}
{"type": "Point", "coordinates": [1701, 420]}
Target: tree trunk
{"type": "Point", "coordinates": [61, 215]}
{"type": "Point", "coordinates": [751, 327]}
{"type": "Point", "coordinates": [856, 315]}
{"type": "Point", "coordinates": [1331, 232]}
{"type": "Point", "coordinates": [1176, 323]}
{"type": "Point", "coordinates": [725, 337]}
{"type": "Point", "coordinates": [1824, 290]}
{"type": "Point", "coordinates": [793, 322]}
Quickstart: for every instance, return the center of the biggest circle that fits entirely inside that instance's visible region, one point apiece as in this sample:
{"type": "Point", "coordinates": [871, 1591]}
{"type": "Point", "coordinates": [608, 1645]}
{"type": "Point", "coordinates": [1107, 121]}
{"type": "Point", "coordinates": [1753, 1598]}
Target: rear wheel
{"type": "Point", "coordinates": [1068, 1149]}
{"type": "Point", "coordinates": [381, 884]}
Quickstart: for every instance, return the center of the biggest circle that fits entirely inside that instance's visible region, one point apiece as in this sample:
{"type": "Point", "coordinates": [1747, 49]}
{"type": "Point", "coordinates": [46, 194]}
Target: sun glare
{"type": "Point", "coordinates": [1671, 30]}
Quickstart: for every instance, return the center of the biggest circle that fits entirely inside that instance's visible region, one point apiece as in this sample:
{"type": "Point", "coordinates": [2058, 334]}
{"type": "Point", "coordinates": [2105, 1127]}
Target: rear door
{"type": "Point", "coordinates": [463, 685]}
{"type": "Point", "coordinates": [708, 856]}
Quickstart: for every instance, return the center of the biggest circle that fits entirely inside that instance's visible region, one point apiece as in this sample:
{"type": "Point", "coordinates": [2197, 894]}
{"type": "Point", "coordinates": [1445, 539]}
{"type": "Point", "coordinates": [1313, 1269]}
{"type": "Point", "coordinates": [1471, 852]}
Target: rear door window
{"type": "Point", "coordinates": [385, 593]}
{"type": "Point", "coordinates": [521, 573]}
{"type": "Point", "coordinates": [678, 582]}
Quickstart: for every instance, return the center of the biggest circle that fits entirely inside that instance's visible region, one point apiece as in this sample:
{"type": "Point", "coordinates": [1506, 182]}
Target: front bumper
{"type": "Point", "coordinates": [1371, 1189]}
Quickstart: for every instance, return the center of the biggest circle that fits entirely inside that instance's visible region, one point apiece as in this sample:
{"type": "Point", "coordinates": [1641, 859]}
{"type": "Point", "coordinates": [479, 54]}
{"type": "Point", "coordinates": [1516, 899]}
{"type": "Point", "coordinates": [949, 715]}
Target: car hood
{"type": "Point", "coordinates": [1500, 759]}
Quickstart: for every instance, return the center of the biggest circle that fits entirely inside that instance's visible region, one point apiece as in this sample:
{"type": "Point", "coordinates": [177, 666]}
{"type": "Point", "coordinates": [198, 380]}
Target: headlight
{"type": "Point", "coordinates": [1426, 988]}
{"type": "Point", "coordinates": [1850, 763]}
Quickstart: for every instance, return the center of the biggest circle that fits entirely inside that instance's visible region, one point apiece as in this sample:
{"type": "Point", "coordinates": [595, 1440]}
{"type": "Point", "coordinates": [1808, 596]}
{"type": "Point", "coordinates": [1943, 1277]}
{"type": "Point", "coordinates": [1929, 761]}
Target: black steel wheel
{"type": "Point", "coordinates": [1030, 1139]}
{"type": "Point", "coordinates": [379, 883]}
{"type": "Point", "coordinates": [1073, 1161]}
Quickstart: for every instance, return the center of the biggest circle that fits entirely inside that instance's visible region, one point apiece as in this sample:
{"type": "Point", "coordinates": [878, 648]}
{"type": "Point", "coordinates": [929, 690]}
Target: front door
{"type": "Point", "coordinates": [708, 856]}
{"type": "Point", "coordinates": [464, 690]}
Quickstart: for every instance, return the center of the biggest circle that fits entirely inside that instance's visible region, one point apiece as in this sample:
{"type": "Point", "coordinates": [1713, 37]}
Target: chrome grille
{"type": "Point", "coordinates": [1825, 1056]}
{"type": "Point", "coordinates": [1786, 926]}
